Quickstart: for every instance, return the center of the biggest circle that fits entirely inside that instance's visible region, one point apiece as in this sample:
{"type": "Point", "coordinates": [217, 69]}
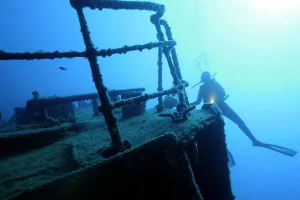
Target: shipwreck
{"type": "Point", "coordinates": [124, 151]}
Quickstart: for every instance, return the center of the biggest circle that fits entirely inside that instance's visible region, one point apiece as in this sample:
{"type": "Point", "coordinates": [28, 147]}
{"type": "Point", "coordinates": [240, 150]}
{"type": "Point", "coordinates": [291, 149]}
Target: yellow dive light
{"type": "Point", "coordinates": [212, 100]}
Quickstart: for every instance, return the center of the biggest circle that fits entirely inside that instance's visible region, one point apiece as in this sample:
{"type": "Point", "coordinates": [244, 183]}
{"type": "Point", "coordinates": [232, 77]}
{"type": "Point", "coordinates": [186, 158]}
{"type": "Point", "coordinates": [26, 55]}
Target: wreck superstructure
{"type": "Point", "coordinates": [189, 151]}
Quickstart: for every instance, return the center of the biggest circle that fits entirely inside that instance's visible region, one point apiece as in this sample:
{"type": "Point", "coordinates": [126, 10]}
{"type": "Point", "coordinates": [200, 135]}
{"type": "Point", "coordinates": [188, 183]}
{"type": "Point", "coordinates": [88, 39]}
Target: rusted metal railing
{"type": "Point", "coordinates": [155, 19]}
{"type": "Point", "coordinates": [165, 24]}
{"type": "Point", "coordinates": [166, 47]}
{"type": "Point", "coordinates": [74, 54]}
{"type": "Point", "coordinates": [160, 106]}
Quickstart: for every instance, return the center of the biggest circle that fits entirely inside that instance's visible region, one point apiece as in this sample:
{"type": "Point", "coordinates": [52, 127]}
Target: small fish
{"type": "Point", "coordinates": [62, 68]}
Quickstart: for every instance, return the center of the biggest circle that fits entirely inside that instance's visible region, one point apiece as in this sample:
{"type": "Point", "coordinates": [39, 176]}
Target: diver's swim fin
{"type": "Point", "coordinates": [231, 161]}
{"type": "Point", "coordinates": [280, 149]}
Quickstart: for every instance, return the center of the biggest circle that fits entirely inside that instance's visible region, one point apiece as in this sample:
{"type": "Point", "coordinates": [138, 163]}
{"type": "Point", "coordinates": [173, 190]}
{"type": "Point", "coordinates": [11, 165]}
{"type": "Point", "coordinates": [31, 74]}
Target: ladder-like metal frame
{"type": "Point", "coordinates": [165, 47]}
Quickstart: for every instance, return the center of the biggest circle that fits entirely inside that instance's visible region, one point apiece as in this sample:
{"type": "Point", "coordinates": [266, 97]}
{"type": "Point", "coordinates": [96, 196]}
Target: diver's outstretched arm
{"type": "Point", "coordinates": [199, 98]}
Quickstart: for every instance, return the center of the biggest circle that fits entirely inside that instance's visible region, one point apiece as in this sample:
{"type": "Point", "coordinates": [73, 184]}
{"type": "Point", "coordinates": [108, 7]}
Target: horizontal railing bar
{"type": "Point", "coordinates": [146, 97]}
{"type": "Point", "coordinates": [73, 54]}
{"type": "Point", "coordinates": [118, 5]}
{"type": "Point", "coordinates": [42, 103]}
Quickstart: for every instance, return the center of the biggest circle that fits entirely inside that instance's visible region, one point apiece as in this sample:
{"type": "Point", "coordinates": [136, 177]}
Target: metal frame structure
{"type": "Point", "coordinates": [165, 47]}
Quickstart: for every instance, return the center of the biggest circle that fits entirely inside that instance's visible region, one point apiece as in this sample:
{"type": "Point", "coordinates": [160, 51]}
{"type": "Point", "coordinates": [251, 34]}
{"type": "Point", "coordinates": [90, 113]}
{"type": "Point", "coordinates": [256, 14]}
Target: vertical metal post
{"type": "Point", "coordinates": [173, 50]}
{"type": "Point", "coordinates": [160, 36]}
{"type": "Point", "coordinates": [173, 53]}
{"type": "Point", "coordinates": [106, 107]}
{"type": "Point", "coordinates": [160, 106]}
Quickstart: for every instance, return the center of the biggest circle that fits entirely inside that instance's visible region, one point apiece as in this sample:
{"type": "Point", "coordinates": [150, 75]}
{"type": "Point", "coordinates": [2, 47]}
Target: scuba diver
{"type": "Point", "coordinates": [211, 91]}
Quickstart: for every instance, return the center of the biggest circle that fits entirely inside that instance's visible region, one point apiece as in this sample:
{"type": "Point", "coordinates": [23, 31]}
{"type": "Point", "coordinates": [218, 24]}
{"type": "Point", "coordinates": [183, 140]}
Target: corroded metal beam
{"type": "Point", "coordinates": [110, 119]}
{"type": "Point", "coordinates": [73, 54]}
{"type": "Point", "coordinates": [160, 106]}
{"type": "Point", "coordinates": [165, 24]}
{"type": "Point", "coordinates": [42, 103]}
{"type": "Point", "coordinates": [118, 5]}
{"type": "Point", "coordinates": [137, 100]}
{"type": "Point", "coordinates": [167, 27]}
{"type": "Point", "coordinates": [155, 20]}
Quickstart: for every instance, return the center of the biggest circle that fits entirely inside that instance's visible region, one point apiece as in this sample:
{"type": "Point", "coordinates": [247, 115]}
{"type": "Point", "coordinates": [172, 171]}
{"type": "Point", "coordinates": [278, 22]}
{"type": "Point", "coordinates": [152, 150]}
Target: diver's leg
{"type": "Point", "coordinates": [230, 114]}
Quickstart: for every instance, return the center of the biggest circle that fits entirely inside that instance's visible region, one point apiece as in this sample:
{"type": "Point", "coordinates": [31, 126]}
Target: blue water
{"type": "Point", "coordinates": [252, 45]}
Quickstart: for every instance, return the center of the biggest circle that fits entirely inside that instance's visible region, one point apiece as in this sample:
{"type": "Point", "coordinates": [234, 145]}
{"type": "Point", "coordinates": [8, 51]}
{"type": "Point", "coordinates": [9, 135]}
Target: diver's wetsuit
{"type": "Point", "coordinates": [212, 91]}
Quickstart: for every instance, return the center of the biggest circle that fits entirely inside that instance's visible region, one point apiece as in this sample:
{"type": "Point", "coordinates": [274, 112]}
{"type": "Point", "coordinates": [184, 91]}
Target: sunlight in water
{"type": "Point", "coordinates": [275, 6]}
